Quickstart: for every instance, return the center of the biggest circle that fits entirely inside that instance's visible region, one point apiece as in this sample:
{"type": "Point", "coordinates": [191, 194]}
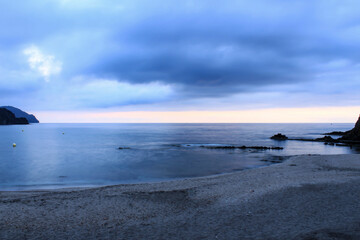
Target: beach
{"type": "Point", "coordinates": [305, 197]}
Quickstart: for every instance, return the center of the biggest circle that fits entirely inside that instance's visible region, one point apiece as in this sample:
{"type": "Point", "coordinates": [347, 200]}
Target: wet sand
{"type": "Point", "coordinates": [306, 197]}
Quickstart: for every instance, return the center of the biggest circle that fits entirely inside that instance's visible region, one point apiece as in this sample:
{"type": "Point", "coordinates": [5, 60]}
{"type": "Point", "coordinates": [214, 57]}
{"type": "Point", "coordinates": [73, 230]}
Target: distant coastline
{"type": "Point", "coordinates": [8, 118]}
{"type": "Point", "coordinates": [11, 115]}
{"type": "Point", "coordinates": [21, 114]}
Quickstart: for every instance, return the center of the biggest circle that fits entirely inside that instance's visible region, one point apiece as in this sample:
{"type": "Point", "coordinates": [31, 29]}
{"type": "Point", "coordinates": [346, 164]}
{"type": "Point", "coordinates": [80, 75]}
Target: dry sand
{"type": "Point", "coordinates": [306, 197]}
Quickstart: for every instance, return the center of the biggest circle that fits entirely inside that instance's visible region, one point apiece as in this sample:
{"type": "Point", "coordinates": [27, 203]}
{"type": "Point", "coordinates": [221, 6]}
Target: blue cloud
{"type": "Point", "coordinates": [206, 50]}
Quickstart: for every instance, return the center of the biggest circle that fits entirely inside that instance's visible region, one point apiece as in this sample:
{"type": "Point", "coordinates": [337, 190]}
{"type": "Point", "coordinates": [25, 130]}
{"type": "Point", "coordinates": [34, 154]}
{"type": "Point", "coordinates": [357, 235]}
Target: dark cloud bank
{"type": "Point", "coordinates": [201, 48]}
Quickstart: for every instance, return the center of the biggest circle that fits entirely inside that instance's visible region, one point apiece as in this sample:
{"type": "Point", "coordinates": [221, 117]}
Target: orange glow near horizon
{"type": "Point", "coordinates": [274, 115]}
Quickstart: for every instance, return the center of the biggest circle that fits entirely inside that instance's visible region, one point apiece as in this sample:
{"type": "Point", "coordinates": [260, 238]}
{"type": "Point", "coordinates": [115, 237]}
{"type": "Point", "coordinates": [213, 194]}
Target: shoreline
{"type": "Point", "coordinates": [304, 196]}
{"type": "Point", "coordinates": [91, 186]}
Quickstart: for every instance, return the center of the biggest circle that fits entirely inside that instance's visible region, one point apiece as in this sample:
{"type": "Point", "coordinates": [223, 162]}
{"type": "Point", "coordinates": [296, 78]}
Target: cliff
{"type": "Point", "coordinates": [21, 114]}
{"type": "Point", "coordinates": [8, 118]}
{"type": "Point", "coordinates": [353, 134]}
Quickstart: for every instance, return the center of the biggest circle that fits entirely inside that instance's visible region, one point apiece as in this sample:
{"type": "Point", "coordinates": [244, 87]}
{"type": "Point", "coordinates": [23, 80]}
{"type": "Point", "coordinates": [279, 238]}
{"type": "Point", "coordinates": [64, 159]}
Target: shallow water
{"type": "Point", "coordinates": [64, 155]}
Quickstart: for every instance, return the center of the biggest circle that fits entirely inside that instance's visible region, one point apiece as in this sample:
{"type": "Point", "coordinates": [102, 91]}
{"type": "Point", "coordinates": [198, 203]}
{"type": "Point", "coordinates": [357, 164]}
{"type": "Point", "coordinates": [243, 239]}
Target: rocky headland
{"type": "Point", "coordinates": [8, 118]}
{"type": "Point", "coordinates": [353, 134]}
{"type": "Point", "coordinates": [21, 114]}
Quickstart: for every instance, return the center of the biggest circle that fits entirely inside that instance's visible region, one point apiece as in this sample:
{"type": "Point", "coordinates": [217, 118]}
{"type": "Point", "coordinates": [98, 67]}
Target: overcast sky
{"type": "Point", "coordinates": [165, 55]}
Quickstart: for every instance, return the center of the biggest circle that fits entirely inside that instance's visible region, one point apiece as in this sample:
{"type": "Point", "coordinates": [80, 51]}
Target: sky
{"type": "Point", "coordinates": [181, 61]}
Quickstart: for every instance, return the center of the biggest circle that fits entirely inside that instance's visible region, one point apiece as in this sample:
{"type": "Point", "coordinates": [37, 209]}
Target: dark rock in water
{"type": "Point", "coordinates": [348, 139]}
{"type": "Point", "coordinates": [175, 145]}
{"type": "Point", "coordinates": [335, 133]}
{"type": "Point", "coordinates": [8, 118]}
{"type": "Point", "coordinates": [243, 147]}
{"type": "Point", "coordinates": [21, 114]}
{"type": "Point", "coordinates": [279, 136]}
{"type": "Point", "coordinates": [325, 139]}
{"type": "Point", "coordinates": [344, 145]}
{"type": "Point", "coordinates": [353, 134]}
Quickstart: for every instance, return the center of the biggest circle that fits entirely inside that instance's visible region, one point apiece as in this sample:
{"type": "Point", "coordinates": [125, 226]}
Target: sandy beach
{"type": "Point", "coordinates": [305, 197]}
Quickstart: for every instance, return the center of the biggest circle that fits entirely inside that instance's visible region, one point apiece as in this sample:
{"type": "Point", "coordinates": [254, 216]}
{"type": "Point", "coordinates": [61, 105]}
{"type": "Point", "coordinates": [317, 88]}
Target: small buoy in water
{"type": "Point", "coordinates": [63, 133]}
{"type": "Point", "coordinates": [14, 144]}
{"type": "Point", "coordinates": [22, 130]}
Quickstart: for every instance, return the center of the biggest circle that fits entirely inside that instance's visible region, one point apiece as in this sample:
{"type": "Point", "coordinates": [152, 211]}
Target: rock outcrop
{"type": "Point", "coordinates": [353, 134]}
{"type": "Point", "coordinates": [279, 137]}
{"type": "Point", "coordinates": [325, 139]}
{"type": "Point", "coordinates": [8, 118]}
{"type": "Point", "coordinates": [21, 114]}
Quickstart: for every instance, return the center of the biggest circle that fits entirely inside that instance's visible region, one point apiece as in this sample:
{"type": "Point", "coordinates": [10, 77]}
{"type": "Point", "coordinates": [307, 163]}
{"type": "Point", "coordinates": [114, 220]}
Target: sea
{"type": "Point", "coordinates": [50, 156]}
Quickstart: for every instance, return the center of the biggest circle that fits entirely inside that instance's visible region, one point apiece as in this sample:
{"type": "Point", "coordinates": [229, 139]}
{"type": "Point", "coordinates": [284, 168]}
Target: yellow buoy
{"type": "Point", "coordinates": [14, 144]}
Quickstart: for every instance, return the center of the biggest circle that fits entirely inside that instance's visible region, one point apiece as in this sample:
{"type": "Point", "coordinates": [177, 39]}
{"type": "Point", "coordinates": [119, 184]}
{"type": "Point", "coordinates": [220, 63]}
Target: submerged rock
{"type": "Point", "coordinates": [279, 136]}
{"type": "Point", "coordinates": [329, 143]}
{"type": "Point", "coordinates": [243, 147]}
{"type": "Point", "coordinates": [326, 139]}
{"type": "Point", "coordinates": [344, 145]}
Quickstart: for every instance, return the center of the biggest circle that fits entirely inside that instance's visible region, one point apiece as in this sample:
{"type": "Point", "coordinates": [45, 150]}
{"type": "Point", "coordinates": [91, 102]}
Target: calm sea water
{"type": "Point", "coordinates": [64, 155]}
